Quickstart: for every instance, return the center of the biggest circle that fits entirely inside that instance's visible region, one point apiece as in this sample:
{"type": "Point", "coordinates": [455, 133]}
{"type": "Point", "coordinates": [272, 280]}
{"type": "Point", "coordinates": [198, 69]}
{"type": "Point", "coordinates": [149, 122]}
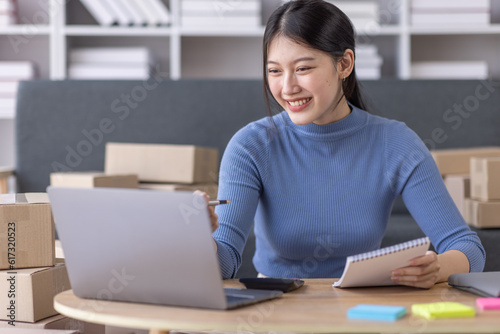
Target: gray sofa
{"type": "Point", "coordinates": [64, 125]}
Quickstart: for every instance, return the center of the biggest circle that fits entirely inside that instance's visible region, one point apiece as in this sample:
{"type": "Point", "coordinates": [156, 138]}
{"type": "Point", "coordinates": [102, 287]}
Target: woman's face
{"type": "Point", "coordinates": [305, 82]}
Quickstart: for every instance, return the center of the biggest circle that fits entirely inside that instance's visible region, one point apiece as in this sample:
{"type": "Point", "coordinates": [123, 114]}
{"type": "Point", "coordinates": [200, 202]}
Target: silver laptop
{"type": "Point", "coordinates": [486, 284]}
{"type": "Point", "coordinates": [143, 246]}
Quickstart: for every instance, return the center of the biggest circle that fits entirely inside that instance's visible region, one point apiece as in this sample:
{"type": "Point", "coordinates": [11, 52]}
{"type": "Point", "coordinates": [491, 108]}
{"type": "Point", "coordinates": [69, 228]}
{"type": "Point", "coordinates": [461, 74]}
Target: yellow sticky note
{"type": "Point", "coordinates": [443, 310]}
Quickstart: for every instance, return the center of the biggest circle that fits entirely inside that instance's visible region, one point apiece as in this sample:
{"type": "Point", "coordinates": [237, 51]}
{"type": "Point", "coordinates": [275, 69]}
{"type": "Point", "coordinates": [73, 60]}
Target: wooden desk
{"type": "Point", "coordinates": [316, 307]}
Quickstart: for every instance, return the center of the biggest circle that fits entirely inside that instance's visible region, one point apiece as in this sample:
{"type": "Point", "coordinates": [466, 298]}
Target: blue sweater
{"type": "Point", "coordinates": [319, 193]}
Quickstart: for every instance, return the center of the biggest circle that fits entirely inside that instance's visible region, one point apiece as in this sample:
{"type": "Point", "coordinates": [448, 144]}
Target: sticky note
{"type": "Point", "coordinates": [488, 303]}
{"type": "Point", "coordinates": [376, 312]}
{"type": "Point", "coordinates": [443, 310]}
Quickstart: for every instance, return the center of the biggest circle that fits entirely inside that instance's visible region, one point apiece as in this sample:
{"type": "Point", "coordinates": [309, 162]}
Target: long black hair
{"type": "Point", "coordinates": [319, 25]}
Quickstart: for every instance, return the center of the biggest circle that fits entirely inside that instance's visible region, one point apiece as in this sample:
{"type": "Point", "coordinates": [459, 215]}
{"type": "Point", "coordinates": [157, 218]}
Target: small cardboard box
{"type": "Point", "coordinates": [459, 188]}
{"type": "Point", "coordinates": [482, 214]}
{"type": "Point", "coordinates": [28, 294]}
{"type": "Point", "coordinates": [59, 322]}
{"type": "Point", "coordinates": [26, 231]}
{"type": "Point", "coordinates": [485, 178]}
{"type": "Point", "coordinates": [163, 163]}
{"type": "Point", "coordinates": [93, 180]}
{"type": "Point", "coordinates": [457, 161]}
{"type": "Point", "coordinates": [210, 188]}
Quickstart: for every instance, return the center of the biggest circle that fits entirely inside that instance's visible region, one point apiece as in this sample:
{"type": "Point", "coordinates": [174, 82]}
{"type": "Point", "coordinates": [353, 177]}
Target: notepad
{"type": "Point", "coordinates": [375, 268]}
{"type": "Point", "coordinates": [488, 303]}
{"type": "Point", "coordinates": [443, 310]}
{"type": "Point", "coordinates": [376, 312]}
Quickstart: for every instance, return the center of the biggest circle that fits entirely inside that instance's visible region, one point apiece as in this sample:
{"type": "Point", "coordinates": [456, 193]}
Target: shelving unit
{"type": "Point", "coordinates": [45, 37]}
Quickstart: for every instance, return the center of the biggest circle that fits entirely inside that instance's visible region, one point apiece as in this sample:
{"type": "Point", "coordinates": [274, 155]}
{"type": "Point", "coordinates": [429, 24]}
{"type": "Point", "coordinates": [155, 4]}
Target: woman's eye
{"type": "Point", "coordinates": [302, 69]}
{"type": "Point", "coordinates": [272, 71]}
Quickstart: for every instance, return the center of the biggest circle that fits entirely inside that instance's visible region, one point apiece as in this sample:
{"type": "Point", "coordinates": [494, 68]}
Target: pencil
{"type": "Point", "coordinates": [221, 201]}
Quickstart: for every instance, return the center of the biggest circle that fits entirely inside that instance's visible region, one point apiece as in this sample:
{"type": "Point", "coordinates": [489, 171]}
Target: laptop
{"type": "Point", "coordinates": [143, 246]}
{"type": "Point", "coordinates": [486, 284]}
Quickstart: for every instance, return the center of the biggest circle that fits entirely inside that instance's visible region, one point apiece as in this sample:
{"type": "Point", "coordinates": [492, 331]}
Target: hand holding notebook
{"type": "Point", "coordinates": [375, 268]}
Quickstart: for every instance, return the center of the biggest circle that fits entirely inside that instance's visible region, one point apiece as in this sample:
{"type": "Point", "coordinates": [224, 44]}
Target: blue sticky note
{"type": "Point", "coordinates": [376, 312]}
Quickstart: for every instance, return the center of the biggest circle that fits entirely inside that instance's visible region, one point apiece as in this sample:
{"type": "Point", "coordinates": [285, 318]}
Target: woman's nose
{"type": "Point", "coordinates": [290, 85]}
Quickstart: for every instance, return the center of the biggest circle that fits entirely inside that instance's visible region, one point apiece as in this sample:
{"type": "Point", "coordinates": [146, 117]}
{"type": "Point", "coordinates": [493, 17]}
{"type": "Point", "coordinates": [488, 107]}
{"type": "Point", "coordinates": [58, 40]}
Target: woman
{"type": "Point", "coordinates": [320, 178]}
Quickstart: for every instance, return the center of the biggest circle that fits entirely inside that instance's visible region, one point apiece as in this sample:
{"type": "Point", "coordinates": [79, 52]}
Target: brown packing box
{"type": "Point", "coordinates": [26, 231]}
{"type": "Point", "coordinates": [457, 161]}
{"type": "Point", "coordinates": [210, 188]}
{"type": "Point", "coordinates": [485, 178]}
{"type": "Point", "coordinates": [163, 163]}
{"type": "Point", "coordinates": [27, 294]}
{"type": "Point", "coordinates": [459, 188]}
{"type": "Point", "coordinates": [482, 214]}
{"type": "Point", "coordinates": [93, 180]}
{"type": "Point", "coordinates": [59, 322]}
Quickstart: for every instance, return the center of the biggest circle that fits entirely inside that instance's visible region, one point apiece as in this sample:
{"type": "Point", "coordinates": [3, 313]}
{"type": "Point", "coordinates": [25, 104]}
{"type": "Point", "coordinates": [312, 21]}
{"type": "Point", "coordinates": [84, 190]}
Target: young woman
{"type": "Point", "coordinates": [320, 178]}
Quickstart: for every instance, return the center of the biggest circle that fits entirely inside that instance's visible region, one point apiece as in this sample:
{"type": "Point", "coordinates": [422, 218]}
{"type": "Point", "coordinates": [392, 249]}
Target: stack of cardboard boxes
{"type": "Point", "coordinates": [472, 177]}
{"type": "Point", "coordinates": [30, 274]}
{"type": "Point", "coordinates": [166, 167]}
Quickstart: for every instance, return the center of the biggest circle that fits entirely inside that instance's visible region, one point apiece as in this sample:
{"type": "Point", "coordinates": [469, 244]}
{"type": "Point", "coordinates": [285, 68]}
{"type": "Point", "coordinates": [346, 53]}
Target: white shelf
{"type": "Point", "coordinates": [492, 29]}
{"type": "Point", "coordinates": [88, 30]}
{"type": "Point", "coordinates": [222, 32]}
{"type": "Point", "coordinates": [25, 30]}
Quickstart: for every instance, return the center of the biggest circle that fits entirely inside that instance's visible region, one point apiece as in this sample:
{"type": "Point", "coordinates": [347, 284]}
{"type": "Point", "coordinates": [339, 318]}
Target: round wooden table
{"type": "Point", "coordinates": [316, 307]}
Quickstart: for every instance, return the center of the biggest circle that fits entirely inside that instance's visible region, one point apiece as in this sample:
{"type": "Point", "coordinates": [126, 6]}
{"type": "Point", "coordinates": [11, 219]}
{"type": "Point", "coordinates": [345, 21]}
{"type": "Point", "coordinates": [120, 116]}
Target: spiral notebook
{"type": "Point", "coordinates": [374, 268]}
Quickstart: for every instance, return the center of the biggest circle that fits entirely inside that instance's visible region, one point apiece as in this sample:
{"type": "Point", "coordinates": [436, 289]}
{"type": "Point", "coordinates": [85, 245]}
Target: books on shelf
{"type": "Point", "coordinates": [216, 14]}
{"type": "Point", "coordinates": [449, 70]}
{"type": "Point", "coordinates": [121, 63]}
{"type": "Point", "coordinates": [8, 12]}
{"type": "Point", "coordinates": [363, 14]}
{"type": "Point", "coordinates": [450, 12]}
{"type": "Point", "coordinates": [11, 72]}
{"type": "Point", "coordinates": [128, 12]}
{"type": "Point", "coordinates": [368, 62]}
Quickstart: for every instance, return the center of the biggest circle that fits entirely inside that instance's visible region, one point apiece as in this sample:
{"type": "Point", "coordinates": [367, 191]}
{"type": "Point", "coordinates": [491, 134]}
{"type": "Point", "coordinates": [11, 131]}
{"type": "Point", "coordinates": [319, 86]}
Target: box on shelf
{"type": "Point", "coordinates": [460, 70]}
{"type": "Point", "coordinates": [93, 180]}
{"type": "Point", "coordinates": [57, 323]}
{"type": "Point", "coordinates": [459, 188]}
{"type": "Point", "coordinates": [457, 161]}
{"type": "Point", "coordinates": [485, 178]}
{"type": "Point", "coordinates": [27, 294]}
{"type": "Point", "coordinates": [26, 231]}
{"type": "Point", "coordinates": [482, 214]}
{"type": "Point", "coordinates": [210, 188]}
{"type": "Point", "coordinates": [163, 163]}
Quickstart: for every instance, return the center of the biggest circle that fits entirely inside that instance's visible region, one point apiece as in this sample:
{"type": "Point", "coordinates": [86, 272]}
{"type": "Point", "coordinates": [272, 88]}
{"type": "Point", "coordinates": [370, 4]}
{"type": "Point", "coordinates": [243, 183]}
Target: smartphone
{"type": "Point", "coordinates": [268, 283]}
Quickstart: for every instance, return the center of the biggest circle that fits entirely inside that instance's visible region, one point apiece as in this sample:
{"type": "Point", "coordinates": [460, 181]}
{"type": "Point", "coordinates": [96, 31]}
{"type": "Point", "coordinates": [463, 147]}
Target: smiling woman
{"type": "Point", "coordinates": [320, 178]}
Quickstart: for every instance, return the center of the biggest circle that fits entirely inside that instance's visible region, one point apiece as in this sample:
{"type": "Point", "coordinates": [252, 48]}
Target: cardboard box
{"type": "Point", "coordinates": [210, 188]}
{"type": "Point", "coordinates": [457, 161]}
{"type": "Point", "coordinates": [59, 322]}
{"type": "Point", "coordinates": [26, 231]}
{"type": "Point", "coordinates": [28, 294]}
{"type": "Point", "coordinates": [485, 178]}
{"type": "Point", "coordinates": [482, 214]}
{"type": "Point", "coordinates": [459, 188]}
{"type": "Point", "coordinates": [93, 180]}
{"type": "Point", "coordinates": [163, 163]}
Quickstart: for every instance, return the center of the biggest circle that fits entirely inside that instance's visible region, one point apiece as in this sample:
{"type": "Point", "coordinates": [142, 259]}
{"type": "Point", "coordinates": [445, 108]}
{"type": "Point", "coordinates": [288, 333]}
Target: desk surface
{"type": "Point", "coordinates": [316, 307]}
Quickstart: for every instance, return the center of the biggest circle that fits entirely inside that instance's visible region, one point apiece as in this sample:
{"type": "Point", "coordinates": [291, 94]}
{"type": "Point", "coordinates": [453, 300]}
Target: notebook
{"type": "Point", "coordinates": [485, 284]}
{"type": "Point", "coordinates": [375, 268]}
{"type": "Point", "coordinates": [143, 246]}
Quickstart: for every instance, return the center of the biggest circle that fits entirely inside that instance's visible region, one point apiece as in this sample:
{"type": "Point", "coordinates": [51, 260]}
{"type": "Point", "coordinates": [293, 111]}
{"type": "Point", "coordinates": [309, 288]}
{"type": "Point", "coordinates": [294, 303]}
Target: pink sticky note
{"type": "Point", "coordinates": [488, 303]}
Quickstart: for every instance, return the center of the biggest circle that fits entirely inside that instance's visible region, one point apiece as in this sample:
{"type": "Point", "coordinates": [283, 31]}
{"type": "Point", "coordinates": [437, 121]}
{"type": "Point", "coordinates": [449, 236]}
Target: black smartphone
{"type": "Point", "coordinates": [268, 283]}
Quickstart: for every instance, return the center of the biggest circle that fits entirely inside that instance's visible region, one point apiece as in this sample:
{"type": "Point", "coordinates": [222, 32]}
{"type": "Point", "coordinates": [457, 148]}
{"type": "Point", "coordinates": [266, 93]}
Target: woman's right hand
{"type": "Point", "coordinates": [214, 219]}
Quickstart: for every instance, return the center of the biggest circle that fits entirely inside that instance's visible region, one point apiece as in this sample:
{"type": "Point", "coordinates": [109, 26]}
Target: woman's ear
{"type": "Point", "coordinates": [346, 64]}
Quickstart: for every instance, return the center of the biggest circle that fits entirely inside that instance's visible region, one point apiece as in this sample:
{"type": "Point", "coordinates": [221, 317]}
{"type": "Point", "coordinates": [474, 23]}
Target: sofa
{"type": "Point", "coordinates": [64, 125]}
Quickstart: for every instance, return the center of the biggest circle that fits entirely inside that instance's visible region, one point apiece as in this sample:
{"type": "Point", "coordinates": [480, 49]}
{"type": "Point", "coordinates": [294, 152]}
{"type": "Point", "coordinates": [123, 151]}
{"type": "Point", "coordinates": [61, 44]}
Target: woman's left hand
{"type": "Point", "coordinates": [423, 272]}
